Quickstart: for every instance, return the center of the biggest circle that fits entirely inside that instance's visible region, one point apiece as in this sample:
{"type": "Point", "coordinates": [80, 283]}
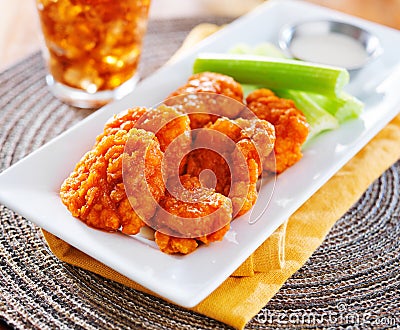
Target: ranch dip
{"type": "Point", "coordinates": [331, 48]}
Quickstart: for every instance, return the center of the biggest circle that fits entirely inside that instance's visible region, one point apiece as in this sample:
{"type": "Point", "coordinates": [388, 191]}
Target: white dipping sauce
{"type": "Point", "coordinates": [331, 48]}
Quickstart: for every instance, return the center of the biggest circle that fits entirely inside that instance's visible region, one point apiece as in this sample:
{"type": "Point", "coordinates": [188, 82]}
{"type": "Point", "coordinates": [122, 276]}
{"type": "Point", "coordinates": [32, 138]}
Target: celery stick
{"type": "Point", "coordinates": [318, 119]}
{"type": "Point", "coordinates": [275, 73]}
{"type": "Point", "coordinates": [344, 107]}
{"type": "Point", "coordinates": [322, 113]}
{"type": "Point", "coordinates": [241, 49]}
{"type": "Point", "coordinates": [261, 49]}
{"type": "Point", "coordinates": [268, 49]}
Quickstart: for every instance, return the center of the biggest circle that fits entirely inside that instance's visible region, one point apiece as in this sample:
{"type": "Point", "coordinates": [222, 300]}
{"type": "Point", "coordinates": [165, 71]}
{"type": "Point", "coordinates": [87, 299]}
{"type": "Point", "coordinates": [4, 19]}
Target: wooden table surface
{"type": "Point", "coordinates": [19, 31]}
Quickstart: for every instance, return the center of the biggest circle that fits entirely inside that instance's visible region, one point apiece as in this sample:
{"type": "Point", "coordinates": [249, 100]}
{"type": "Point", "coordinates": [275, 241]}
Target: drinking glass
{"type": "Point", "coordinates": [92, 48]}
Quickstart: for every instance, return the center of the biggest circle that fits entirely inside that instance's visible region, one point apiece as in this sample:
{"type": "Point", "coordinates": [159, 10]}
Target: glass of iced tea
{"type": "Point", "coordinates": [92, 48]}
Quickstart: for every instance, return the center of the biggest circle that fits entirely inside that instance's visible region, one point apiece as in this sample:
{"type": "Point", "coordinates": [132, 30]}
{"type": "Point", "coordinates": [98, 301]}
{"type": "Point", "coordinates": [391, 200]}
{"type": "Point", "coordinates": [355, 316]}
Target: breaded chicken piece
{"type": "Point", "coordinates": [124, 120]}
{"type": "Point", "coordinates": [207, 108]}
{"type": "Point", "coordinates": [142, 173]}
{"type": "Point", "coordinates": [166, 123]}
{"type": "Point", "coordinates": [260, 132]}
{"type": "Point", "coordinates": [236, 152]}
{"type": "Point", "coordinates": [172, 245]}
{"type": "Point", "coordinates": [212, 83]}
{"type": "Point", "coordinates": [95, 193]}
{"type": "Point", "coordinates": [290, 124]}
{"type": "Point", "coordinates": [246, 170]}
{"type": "Point", "coordinates": [203, 159]}
{"type": "Point", "coordinates": [171, 127]}
{"type": "Point", "coordinates": [177, 245]}
{"type": "Point", "coordinates": [190, 213]}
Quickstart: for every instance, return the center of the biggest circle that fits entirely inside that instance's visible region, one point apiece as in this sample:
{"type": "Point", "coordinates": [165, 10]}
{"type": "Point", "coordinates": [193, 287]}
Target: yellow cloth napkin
{"type": "Point", "coordinates": [239, 298]}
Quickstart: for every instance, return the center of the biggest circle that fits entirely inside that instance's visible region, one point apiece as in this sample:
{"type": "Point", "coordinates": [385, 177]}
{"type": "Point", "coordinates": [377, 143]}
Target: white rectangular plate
{"type": "Point", "coordinates": [31, 186]}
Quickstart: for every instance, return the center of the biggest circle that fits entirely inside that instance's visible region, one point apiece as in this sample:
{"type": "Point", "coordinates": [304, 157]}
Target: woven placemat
{"type": "Point", "coordinates": [353, 279]}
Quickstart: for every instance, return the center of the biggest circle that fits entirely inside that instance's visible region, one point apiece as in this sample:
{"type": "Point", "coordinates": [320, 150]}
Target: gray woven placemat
{"type": "Point", "coordinates": [353, 279]}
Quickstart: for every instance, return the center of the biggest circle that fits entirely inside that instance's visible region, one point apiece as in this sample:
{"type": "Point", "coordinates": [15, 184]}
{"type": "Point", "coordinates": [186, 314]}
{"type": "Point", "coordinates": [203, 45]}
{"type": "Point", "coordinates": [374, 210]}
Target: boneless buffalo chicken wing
{"type": "Point", "coordinates": [197, 181]}
{"type": "Point", "coordinates": [208, 84]}
{"type": "Point", "coordinates": [290, 125]}
{"type": "Point", "coordinates": [95, 193]}
{"type": "Point", "coordinates": [236, 151]}
{"type": "Point", "coordinates": [190, 214]}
